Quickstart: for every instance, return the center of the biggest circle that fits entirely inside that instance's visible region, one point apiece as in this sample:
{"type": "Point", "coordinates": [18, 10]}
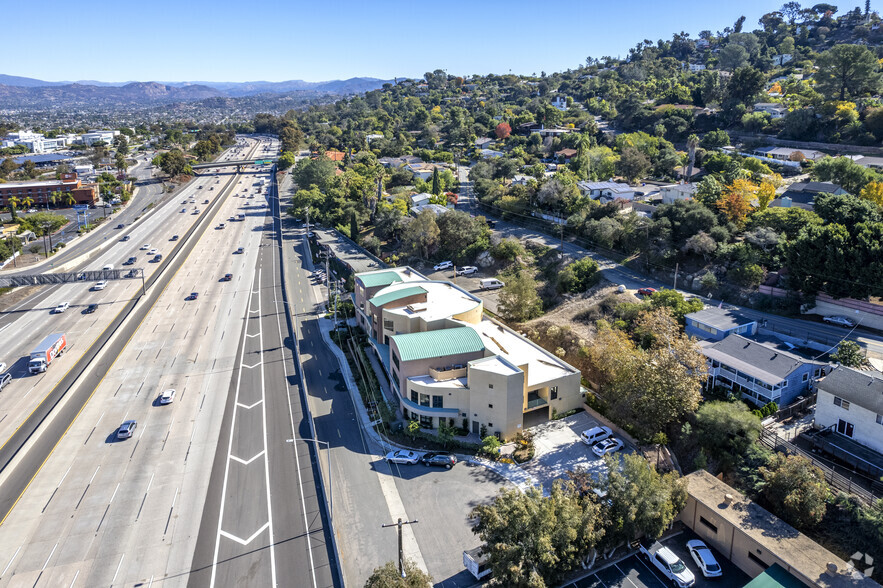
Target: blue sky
{"type": "Point", "coordinates": [275, 40]}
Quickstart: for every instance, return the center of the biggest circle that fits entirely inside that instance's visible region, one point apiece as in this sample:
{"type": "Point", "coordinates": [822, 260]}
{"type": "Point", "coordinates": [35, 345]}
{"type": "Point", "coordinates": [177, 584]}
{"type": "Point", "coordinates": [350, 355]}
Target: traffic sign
{"type": "Point", "coordinates": [80, 206]}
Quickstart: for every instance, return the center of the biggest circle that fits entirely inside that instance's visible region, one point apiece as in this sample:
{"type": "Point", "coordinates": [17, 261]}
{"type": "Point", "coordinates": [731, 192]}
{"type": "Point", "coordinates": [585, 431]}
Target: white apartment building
{"type": "Point", "coordinates": [446, 361]}
{"type": "Point", "coordinates": [850, 401]}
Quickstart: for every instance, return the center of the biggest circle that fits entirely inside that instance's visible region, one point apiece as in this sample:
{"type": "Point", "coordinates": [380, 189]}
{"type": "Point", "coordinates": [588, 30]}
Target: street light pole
{"type": "Point", "coordinates": [401, 550]}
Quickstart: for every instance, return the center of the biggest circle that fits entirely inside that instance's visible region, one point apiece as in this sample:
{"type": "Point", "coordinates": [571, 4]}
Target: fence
{"type": "Point", "coordinates": [796, 408]}
{"type": "Point", "coordinates": [854, 484]}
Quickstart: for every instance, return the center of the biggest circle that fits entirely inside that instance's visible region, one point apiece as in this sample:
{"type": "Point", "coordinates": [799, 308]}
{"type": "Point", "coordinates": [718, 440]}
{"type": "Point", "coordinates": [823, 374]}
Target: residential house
{"type": "Point", "coordinates": [789, 154]}
{"type": "Point", "coordinates": [867, 161]}
{"type": "Point", "coordinates": [774, 109]}
{"type": "Point", "coordinates": [693, 67]}
{"type": "Point", "coordinates": [757, 541]}
{"type": "Point", "coordinates": [759, 372]}
{"type": "Point", "coordinates": [436, 209]}
{"type": "Point", "coordinates": [850, 401]}
{"type": "Point", "coordinates": [373, 137]}
{"type": "Point", "coordinates": [674, 192]}
{"type": "Point", "coordinates": [527, 128]}
{"type": "Point", "coordinates": [423, 170]}
{"type": "Point", "coordinates": [606, 191]}
{"type": "Point", "coordinates": [803, 194]}
{"type": "Point", "coordinates": [490, 153]}
{"type": "Point", "coordinates": [782, 59]}
{"type": "Point", "coordinates": [335, 155]}
{"type": "Point", "coordinates": [565, 155]}
{"type": "Point", "coordinates": [560, 102]}
{"type": "Point", "coordinates": [447, 362]}
{"type": "Point", "coordinates": [522, 180]}
{"type": "Point", "coordinates": [703, 44]}
{"type": "Point", "coordinates": [483, 143]}
{"type": "Point", "coordinates": [553, 132]}
{"type": "Point", "coordinates": [420, 199]}
{"type": "Point", "coordinates": [715, 324]}
{"type": "Point", "coordinates": [394, 162]}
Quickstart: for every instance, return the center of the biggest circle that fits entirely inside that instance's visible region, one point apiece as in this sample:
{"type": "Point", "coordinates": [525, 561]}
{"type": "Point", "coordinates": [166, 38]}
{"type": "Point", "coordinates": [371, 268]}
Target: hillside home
{"type": "Point", "coordinates": [774, 109]}
{"type": "Point", "coordinates": [606, 191]}
{"type": "Point", "coordinates": [850, 401]}
{"type": "Point", "coordinates": [715, 324]}
{"type": "Point", "coordinates": [674, 192]}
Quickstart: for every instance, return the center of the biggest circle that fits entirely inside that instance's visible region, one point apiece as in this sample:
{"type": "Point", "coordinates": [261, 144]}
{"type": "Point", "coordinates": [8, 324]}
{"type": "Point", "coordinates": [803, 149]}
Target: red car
{"type": "Point", "coordinates": [193, 296]}
{"type": "Point", "coordinates": [646, 291]}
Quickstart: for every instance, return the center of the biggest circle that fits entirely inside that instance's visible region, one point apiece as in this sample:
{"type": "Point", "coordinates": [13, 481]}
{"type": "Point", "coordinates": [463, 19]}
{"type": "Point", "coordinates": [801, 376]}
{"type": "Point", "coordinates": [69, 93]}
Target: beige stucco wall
{"type": "Point", "coordinates": [495, 401]}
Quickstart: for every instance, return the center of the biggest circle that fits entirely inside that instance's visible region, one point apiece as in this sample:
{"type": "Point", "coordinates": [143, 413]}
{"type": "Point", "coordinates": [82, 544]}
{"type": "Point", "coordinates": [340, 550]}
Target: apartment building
{"type": "Point", "coordinates": [446, 361]}
{"type": "Point", "coordinates": [40, 192]}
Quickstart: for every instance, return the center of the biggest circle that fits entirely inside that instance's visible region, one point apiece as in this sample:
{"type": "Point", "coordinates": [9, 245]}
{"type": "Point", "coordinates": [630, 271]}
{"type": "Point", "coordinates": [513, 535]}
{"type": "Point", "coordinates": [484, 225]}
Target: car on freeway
{"type": "Point", "coordinates": [646, 291]}
{"type": "Point", "coordinates": [61, 307]}
{"type": "Point", "coordinates": [240, 250]}
{"type": "Point", "coordinates": [125, 238]}
{"type": "Point", "coordinates": [703, 557]}
{"type": "Point", "coordinates": [100, 285]}
{"type": "Point", "coordinates": [443, 266]}
{"type": "Point", "coordinates": [211, 188]}
{"type": "Point", "coordinates": [840, 321]}
{"type": "Point", "coordinates": [145, 247]}
{"type": "Point", "coordinates": [205, 201]}
{"type": "Point", "coordinates": [120, 226]}
{"type": "Point", "coordinates": [184, 201]}
{"type": "Point", "coordinates": [174, 238]}
{"type": "Point", "coordinates": [5, 378]}
{"type": "Point", "coordinates": [403, 456]}
{"type": "Point", "coordinates": [132, 274]}
{"type": "Point", "coordinates": [608, 445]}
{"type": "Point", "coordinates": [167, 397]}
{"type": "Point", "coordinates": [153, 251]}
{"type": "Point", "coordinates": [183, 210]}
{"type": "Point", "coordinates": [90, 309]}
{"type": "Point", "coordinates": [227, 277]}
{"type": "Point", "coordinates": [195, 211]}
{"type": "Point", "coordinates": [222, 226]}
{"type": "Point", "coordinates": [157, 258]}
{"type": "Point", "coordinates": [595, 434]}
{"type": "Point", "coordinates": [3, 367]}
{"type": "Point", "coordinates": [466, 270]}
{"type": "Point", "coordinates": [193, 296]}
{"type": "Point", "coordinates": [130, 261]}
{"type": "Point", "coordinates": [126, 430]}
{"type": "Point", "coordinates": [440, 459]}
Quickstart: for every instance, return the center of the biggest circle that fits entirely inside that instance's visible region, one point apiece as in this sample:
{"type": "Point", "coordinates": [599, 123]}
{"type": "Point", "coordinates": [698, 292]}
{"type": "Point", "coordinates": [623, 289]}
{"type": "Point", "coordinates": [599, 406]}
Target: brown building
{"type": "Point", "coordinates": [754, 539]}
{"type": "Point", "coordinates": [40, 192]}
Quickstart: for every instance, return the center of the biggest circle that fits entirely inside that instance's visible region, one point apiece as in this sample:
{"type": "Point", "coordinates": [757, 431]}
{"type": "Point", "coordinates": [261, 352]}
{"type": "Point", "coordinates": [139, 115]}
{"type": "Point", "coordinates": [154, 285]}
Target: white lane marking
{"type": "Point", "coordinates": [250, 406]}
{"type": "Point", "coordinates": [266, 456]}
{"type": "Point", "coordinates": [114, 494]}
{"type": "Point", "coordinates": [48, 558]}
{"type": "Point", "coordinates": [74, 581]}
{"type": "Point", "coordinates": [250, 336]}
{"type": "Point", "coordinates": [250, 367]}
{"type": "Point", "coordinates": [119, 565]}
{"type": "Point", "coordinates": [245, 541]}
{"type": "Point", "coordinates": [10, 561]}
{"type": "Point", "coordinates": [246, 462]}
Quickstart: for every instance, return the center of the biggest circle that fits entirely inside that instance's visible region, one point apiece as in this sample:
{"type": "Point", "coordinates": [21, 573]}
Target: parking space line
{"type": "Point", "coordinates": [626, 576]}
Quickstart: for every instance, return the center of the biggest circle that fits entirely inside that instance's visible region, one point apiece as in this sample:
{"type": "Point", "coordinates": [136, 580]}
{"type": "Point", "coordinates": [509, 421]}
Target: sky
{"type": "Point", "coordinates": [275, 40]}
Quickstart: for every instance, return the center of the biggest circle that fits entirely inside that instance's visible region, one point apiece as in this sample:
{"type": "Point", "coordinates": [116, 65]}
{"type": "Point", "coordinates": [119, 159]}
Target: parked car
{"type": "Point", "coordinates": [100, 285]}
{"type": "Point", "coordinates": [403, 456]}
{"type": "Point", "coordinates": [439, 459]}
{"type": "Point", "coordinates": [466, 270]}
{"type": "Point", "coordinates": [193, 296]}
{"type": "Point", "coordinates": [443, 266]}
{"type": "Point", "coordinates": [646, 291]}
{"type": "Point", "coordinates": [167, 397]}
{"type": "Point", "coordinates": [90, 309]}
{"type": "Point", "coordinates": [668, 563]}
{"type": "Point", "coordinates": [61, 307]}
{"type": "Point", "coordinates": [703, 557]}
{"type": "Point", "coordinates": [126, 430]}
{"type": "Point", "coordinates": [840, 321]}
{"type": "Point", "coordinates": [595, 434]}
{"type": "Point", "coordinates": [608, 445]}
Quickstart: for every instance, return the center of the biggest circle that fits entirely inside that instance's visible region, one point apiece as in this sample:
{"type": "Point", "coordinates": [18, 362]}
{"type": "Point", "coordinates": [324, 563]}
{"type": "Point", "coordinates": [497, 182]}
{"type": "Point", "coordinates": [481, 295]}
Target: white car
{"type": "Point", "coordinates": [608, 445]}
{"type": "Point", "coordinates": [595, 434]}
{"type": "Point", "coordinates": [467, 270]}
{"type": "Point", "coordinates": [153, 251]}
{"type": "Point", "coordinates": [403, 456]}
{"type": "Point", "coordinates": [167, 397]}
{"type": "Point", "coordinates": [2, 367]}
{"type": "Point", "coordinates": [443, 266]}
{"type": "Point", "coordinates": [145, 246]}
{"type": "Point", "coordinates": [100, 285]}
{"type": "Point", "coordinates": [703, 557]}
{"type": "Point", "coordinates": [61, 307]}
{"type": "Point", "coordinates": [840, 321]}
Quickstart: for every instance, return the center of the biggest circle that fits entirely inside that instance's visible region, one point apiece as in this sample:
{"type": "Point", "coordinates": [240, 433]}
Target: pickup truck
{"type": "Point", "coordinates": [668, 563]}
{"type": "Point", "coordinates": [48, 349]}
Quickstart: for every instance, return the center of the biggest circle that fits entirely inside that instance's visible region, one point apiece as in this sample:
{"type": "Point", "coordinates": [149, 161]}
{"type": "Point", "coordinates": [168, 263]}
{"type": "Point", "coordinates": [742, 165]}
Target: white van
{"type": "Point", "coordinates": [491, 284]}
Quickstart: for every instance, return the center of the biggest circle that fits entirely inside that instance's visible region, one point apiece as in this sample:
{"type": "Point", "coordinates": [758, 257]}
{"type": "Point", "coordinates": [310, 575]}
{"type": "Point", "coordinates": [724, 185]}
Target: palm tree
{"type": "Point", "coordinates": [13, 203]}
{"type": "Point", "coordinates": [69, 199]}
{"type": "Point", "coordinates": [692, 143]}
{"type": "Point", "coordinates": [27, 202]}
{"type": "Point", "coordinates": [583, 144]}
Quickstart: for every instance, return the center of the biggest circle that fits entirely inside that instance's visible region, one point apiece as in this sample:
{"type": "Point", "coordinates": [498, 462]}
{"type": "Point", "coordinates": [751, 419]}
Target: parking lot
{"type": "Point", "coordinates": [469, 283]}
{"type": "Point", "coordinates": [636, 572]}
{"type": "Point", "coordinates": [559, 449]}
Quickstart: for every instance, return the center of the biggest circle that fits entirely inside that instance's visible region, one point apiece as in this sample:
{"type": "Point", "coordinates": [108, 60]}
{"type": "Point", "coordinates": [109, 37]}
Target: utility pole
{"type": "Point", "coordinates": [675, 287]}
{"type": "Point", "coordinates": [401, 551]}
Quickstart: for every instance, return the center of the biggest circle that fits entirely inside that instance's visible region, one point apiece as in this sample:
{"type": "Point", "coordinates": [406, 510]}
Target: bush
{"type": "Point", "coordinates": [490, 447]}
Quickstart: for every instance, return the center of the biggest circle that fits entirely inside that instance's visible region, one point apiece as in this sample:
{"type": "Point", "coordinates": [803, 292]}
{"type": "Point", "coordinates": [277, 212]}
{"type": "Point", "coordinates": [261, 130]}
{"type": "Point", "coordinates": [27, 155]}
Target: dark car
{"type": "Point", "coordinates": [193, 296]}
{"type": "Point", "coordinates": [439, 459]}
{"type": "Point", "coordinates": [125, 238]}
{"type": "Point", "coordinates": [174, 238]}
{"type": "Point", "coordinates": [120, 226]}
{"type": "Point", "coordinates": [132, 274]}
{"type": "Point", "coordinates": [491, 223]}
{"type": "Point", "coordinates": [227, 277]}
{"type": "Point", "coordinates": [90, 309]}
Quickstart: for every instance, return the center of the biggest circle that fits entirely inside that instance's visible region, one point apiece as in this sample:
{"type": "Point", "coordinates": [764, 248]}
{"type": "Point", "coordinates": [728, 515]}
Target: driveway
{"type": "Point", "coordinates": [470, 283]}
{"type": "Point", "coordinates": [559, 449]}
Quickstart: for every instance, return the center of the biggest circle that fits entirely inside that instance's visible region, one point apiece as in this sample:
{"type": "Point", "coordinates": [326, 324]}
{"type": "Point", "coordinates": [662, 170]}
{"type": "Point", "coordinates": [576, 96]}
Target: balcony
{"type": "Point", "coordinates": [534, 401]}
{"type": "Point", "coordinates": [428, 410]}
{"type": "Point", "coordinates": [451, 372]}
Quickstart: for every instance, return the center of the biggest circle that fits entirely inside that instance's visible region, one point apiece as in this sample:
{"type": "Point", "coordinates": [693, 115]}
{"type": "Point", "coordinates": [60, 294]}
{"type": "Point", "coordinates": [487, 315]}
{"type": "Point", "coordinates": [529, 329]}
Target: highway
{"type": "Point", "coordinates": [98, 511]}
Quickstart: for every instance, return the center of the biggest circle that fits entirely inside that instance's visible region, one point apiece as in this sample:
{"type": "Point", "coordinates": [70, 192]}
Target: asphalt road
{"type": "Point", "coordinates": [265, 522]}
{"type": "Point", "coordinates": [618, 274]}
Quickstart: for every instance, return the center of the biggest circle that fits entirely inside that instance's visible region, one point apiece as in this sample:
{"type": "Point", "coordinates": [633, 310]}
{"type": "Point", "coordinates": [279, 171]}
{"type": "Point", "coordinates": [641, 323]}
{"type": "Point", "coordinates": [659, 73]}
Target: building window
{"type": "Point", "coordinates": [414, 398]}
{"type": "Point", "coordinates": [757, 560]}
{"type": "Point", "coordinates": [490, 405]}
{"type": "Point", "coordinates": [705, 522]}
{"type": "Point", "coordinates": [880, 419]}
{"type": "Point", "coordinates": [844, 404]}
{"type": "Point", "coordinates": [490, 424]}
{"type": "Point", "coordinates": [490, 386]}
{"type": "Point", "coordinates": [553, 393]}
{"type": "Point", "coordinates": [395, 359]}
{"type": "Point", "coordinates": [388, 325]}
{"type": "Point", "coordinates": [805, 377]}
{"type": "Point", "coordinates": [437, 402]}
{"type": "Point", "coordinates": [844, 428]}
{"type": "Point", "coordinates": [424, 400]}
{"type": "Point", "coordinates": [426, 422]}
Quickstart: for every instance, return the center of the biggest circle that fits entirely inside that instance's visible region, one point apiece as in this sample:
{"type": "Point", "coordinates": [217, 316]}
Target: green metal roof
{"type": "Point", "coordinates": [382, 299]}
{"type": "Point", "coordinates": [775, 576]}
{"type": "Point", "coordinates": [379, 279]}
{"type": "Point", "coordinates": [438, 343]}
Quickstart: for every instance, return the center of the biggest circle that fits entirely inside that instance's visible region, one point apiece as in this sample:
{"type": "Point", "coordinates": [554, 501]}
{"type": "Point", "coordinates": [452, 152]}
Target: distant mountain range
{"type": "Point", "coordinates": [18, 92]}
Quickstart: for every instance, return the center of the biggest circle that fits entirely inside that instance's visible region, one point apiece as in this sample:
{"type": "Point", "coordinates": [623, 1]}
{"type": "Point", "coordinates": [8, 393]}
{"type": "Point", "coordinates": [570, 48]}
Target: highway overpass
{"type": "Point", "coordinates": [239, 164]}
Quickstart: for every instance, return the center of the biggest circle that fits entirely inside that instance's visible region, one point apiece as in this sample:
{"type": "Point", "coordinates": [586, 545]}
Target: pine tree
{"type": "Point", "coordinates": [436, 182]}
